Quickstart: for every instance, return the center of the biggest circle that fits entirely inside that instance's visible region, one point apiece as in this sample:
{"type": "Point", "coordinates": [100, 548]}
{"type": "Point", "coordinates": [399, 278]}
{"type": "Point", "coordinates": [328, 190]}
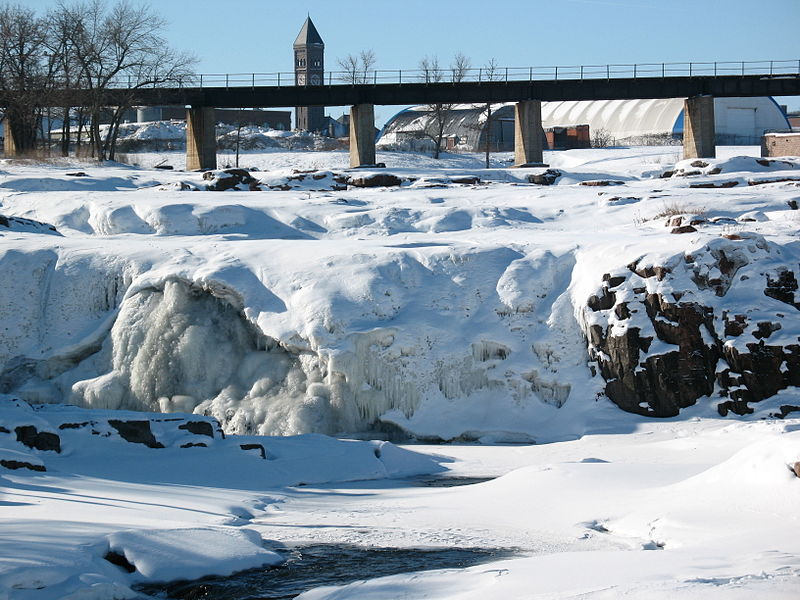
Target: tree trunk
{"type": "Point", "coordinates": [65, 133]}
{"type": "Point", "coordinates": [488, 132]}
{"type": "Point", "coordinates": [238, 138]}
{"type": "Point", "coordinates": [114, 132]}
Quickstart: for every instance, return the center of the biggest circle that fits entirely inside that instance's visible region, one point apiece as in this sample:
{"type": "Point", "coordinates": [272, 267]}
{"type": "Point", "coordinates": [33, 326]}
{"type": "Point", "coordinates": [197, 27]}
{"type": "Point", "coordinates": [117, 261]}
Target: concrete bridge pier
{"type": "Point", "coordinates": [201, 141]}
{"type": "Point", "coordinates": [362, 135]}
{"type": "Point", "coordinates": [9, 146]}
{"type": "Point", "coordinates": [528, 142]}
{"type": "Point", "coordinates": [698, 127]}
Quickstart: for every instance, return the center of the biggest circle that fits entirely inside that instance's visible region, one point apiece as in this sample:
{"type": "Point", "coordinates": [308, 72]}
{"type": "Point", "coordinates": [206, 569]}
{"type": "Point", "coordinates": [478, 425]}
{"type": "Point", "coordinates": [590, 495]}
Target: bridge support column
{"type": "Point", "coordinates": [201, 142]}
{"type": "Point", "coordinates": [698, 127]}
{"type": "Point", "coordinates": [362, 135]}
{"type": "Point", "coordinates": [9, 146]}
{"type": "Point", "coordinates": [528, 141]}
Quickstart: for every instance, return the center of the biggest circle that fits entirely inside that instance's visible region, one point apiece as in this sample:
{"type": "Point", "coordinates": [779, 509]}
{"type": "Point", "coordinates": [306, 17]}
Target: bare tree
{"type": "Point", "coordinates": [489, 73]}
{"type": "Point", "coordinates": [439, 114]}
{"type": "Point", "coordinates": [119, 44]}
{"type": "Point", "coordinates": [23, 73]}
{"type": "Point", "coordinates": [355, 68]}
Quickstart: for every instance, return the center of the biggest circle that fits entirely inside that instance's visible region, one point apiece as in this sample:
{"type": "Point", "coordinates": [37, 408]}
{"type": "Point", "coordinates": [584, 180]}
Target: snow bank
{"type": "Point", "coordinates": [126, 497]}
{"type": "Point", "coordinates": [447, 310]}
{"type": "Point", "coordinates": [167, 555]}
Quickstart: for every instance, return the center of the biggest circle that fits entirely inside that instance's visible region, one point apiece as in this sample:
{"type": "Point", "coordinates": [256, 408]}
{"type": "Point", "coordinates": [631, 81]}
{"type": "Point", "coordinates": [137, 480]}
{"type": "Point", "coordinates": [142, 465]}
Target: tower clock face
{"type": "Point", "coordinates": [301, 79]}
{"type": "Point", "coordinates": [315, 79]}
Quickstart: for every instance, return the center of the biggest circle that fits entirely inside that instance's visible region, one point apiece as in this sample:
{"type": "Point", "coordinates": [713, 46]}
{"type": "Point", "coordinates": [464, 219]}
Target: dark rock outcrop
{"type": "Point", "coordinates": [661, 339]}
{"type": "Point", "coordinates": [370, 180]}
{"type": "Point", "coordinates": [547, 178]}
{"type": "Point", "coordinates": [257, 447]}
{"type": "Point", "coordinates": [39, 440]}
{"type": "Point", "coordinates": [136, 432]}
{"type": "Point", "coordinates": [19, 464]}
{"type": "Point", "coordinates": [230, 179]}
{"type": "Point", "coordinates": [198, 428]}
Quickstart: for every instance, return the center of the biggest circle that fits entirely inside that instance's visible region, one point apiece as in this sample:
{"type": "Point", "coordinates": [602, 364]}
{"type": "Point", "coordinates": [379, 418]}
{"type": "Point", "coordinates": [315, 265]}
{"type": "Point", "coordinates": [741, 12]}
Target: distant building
{"type": "Point", "coordinates": [274, 119]}
{"type": "Point", "coordinates": [466, 130]}
{"type": "Point", "coordinates": [309, 69]}
{"type": "Point", "coordinates": [737, 121]}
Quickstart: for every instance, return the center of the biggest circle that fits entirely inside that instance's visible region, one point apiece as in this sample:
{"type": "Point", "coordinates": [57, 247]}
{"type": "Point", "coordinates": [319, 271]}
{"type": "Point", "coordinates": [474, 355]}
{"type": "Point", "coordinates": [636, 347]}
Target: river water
{"type": "Point", "coordinates": [312, 566]}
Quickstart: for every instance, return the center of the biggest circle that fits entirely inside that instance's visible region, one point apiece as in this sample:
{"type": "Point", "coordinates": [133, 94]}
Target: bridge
{"type": "Point", "coordinates": [528, 87]}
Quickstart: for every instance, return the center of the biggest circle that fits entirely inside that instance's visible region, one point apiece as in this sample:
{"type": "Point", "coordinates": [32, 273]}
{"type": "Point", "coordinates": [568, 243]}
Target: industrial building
{"type": "Point", "coordinates": [738, 121]}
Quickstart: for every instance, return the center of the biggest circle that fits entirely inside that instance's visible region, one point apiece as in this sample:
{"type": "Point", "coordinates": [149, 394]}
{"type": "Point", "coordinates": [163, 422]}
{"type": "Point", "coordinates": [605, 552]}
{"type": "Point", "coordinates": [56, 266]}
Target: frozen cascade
{"type": "Point", "coordinates": [179, 348]}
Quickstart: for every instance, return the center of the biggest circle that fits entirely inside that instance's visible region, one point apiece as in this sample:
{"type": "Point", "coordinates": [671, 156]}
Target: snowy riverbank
{"type": "Point", "coordinates": [481, 307]}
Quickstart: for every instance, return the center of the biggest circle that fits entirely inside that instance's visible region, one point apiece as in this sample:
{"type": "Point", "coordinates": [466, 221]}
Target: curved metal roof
{"type": "Point", "coordinates": [622, 119]}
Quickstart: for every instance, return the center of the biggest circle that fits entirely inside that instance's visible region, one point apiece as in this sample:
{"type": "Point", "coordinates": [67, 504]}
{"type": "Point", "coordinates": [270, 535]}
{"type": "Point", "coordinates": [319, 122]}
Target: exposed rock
{"type": "Point", "coordinates": [18, 464]}
{"type": "Point", "coordinates": [21, 224]}
{"type": "Point", "coordinates": [796, 469]}
{"type": "Point", "coordinates": [115, 558]}
{"type": "Point", "coordinates": [786, 410]}
{"type": "Point", "coordinates": [684, 229]}
{"type": "Point", "coordinates": [258, 447]}
{"type": "Point", "coordinates": [230, 179]}
{"type": "Point", "coordinates": [766, 162]}
{"type": "Point", "coordinates": [549, 177]}
{"type": "Point", "coordinates": [601, 182]}
{"type": "Point", "coordinates": [76, 174]}
{"type": "Point", "coordinates": [715, 184]}
{"type": "Point", "coordinates": [136, 432]}
{"type": "Point", "coordinates": [773, 180]}
{"type": "Point", "coordinates": [466, 180]}
{"type": "Point", "coordinates": [604, 301]}
{"type": "Point", "coordinates": [198, 428]}
{"type": "Point", "coordinates": [700, 349]}
{"type": "Point", "coordinates": [783, 288]}
{"type": "Point", "coordinates": [371, 180]}
{"type": "Point", "coordinates": [40, 440]}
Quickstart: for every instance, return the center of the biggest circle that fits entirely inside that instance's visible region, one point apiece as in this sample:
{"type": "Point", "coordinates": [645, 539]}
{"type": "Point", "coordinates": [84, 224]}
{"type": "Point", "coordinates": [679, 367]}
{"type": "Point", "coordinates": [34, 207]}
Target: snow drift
{"type": "Point", "coordinates": [447, 311]}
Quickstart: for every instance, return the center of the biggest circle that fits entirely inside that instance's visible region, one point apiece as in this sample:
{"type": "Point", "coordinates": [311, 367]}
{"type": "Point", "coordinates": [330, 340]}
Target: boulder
{"type": "Point", "coordinates": [19, 464]}
{"type": "Point", "coordinates": [370, 180]}
{"type": "Point", "coordinates": [198, 428]}
{"type": "Point", "coordinates": [40, 440]}
{"type": "Point", "coordinates": [549, 177]}
{"type": "Point", "coordinates": [136, 432]}
{"type": "Point", "coordinates": [230, 179]}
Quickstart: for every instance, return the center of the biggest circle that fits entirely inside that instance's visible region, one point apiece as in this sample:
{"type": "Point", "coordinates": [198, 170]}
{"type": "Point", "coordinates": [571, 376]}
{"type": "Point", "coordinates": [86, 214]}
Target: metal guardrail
{"type": "Point", "coordinates": [770, 68]}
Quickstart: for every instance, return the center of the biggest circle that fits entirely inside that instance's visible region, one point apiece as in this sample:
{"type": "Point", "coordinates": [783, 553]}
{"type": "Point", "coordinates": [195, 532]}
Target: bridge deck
{"type": "Point", "coordinates": [465, 92]}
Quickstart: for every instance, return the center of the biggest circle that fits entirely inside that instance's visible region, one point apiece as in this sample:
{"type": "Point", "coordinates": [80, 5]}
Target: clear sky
{"type": "Point", "coordinates": [257, 35]}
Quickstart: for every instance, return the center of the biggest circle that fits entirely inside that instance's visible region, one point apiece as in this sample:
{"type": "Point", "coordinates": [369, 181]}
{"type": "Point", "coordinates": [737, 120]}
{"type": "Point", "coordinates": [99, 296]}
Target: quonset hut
{"type": "Point", "coordinates": [738, 121]}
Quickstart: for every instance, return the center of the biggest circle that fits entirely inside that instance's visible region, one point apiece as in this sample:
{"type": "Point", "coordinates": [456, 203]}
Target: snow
{"type": "Point", "coordinates": [433, 309]}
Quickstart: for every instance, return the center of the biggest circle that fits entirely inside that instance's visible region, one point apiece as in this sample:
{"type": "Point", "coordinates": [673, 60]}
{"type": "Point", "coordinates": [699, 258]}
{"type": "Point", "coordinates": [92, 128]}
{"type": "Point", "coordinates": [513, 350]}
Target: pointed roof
{"type": "Point", "coordinates": [308, 35]}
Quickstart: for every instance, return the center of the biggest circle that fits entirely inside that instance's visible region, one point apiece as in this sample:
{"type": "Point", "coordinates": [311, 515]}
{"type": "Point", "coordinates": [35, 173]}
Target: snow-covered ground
{"type": "Point", "coordinates": [439, 309]}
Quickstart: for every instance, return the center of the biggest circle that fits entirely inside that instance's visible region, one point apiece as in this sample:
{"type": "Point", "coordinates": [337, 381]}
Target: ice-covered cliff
{"type": "Point", "coordinates": [444, 309]}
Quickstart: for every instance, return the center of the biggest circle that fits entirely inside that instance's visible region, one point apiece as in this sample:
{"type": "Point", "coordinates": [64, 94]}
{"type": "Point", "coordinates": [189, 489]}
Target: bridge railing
{"type": "Point", "coordinates": [482, 74]}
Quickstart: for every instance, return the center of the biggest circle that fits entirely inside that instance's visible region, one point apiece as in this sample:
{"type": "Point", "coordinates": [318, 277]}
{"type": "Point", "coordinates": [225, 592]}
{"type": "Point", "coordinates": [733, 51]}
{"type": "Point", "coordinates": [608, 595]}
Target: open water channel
{"type": "Point", "coordinates": [315, 565]}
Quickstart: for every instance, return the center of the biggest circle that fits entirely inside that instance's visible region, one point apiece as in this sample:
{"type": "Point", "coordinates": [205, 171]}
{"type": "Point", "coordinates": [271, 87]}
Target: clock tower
{"type": "Point", "coordinates": [309, 69]}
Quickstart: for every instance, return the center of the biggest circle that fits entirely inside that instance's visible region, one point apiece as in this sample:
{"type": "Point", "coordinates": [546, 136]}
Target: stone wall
{"type": "Point", "coordinates": [780, 144]}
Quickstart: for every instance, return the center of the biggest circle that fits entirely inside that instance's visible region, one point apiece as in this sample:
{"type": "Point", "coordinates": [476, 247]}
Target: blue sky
{"type": "Point", "coordinates": [256, 35]}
